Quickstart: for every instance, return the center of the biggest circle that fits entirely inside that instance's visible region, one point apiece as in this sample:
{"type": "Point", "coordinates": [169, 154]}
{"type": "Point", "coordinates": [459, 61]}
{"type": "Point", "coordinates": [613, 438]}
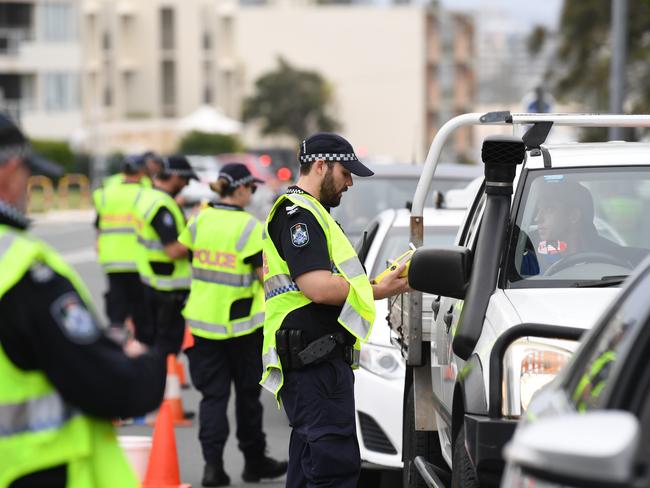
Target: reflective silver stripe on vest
{"type": "Point", "coordinates": [214, 328]}
{"type": "Point", "coordinates": [310, 204]}
{"type": "Point", "coordinates": [5, 243]}
{"type": "Point", "coordinates": [150, 209]}
{"type": "Point", "coordinates": [151, 244]}
{"type": "Point", "coordinates": [157, 282]}
{"type": "Point", "coordinates": [245, 325]}
{"type": "Point", "coordinates": [193, 230]}
{"type": "Point", "coordinates": [278, 284]}
{"type": "Point", "coordinates": [263, 234]}
{"type": "Point", "coordinates": [357, 324]}
{"type": "Point", "coordinates": [273, 380]}
{"type": "Point", "coordinates": [352, 267]}
{"type": "Point", "coordinates": [117, 230]}
{"type": "Point", "coordinates": [221, 278]}
{"type": "Point", "coordinates": [238, 327]}
{"type": "Point", "coordinates": [120, 264]}
{"type": "Point", "coordinates": [35, 415]}
{"type": "Point", "coordinates": [270, 358]}
{"type": "Point", "coordinates": [246, 233]}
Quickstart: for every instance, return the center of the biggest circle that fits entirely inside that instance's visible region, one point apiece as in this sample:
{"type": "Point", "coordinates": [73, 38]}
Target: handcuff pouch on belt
{"type": "Point", "coordinates": [294, 354]}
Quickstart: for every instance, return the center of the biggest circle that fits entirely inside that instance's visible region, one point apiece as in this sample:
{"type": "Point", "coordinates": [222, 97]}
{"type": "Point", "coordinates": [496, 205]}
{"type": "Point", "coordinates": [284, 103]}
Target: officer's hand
{"type": "Point", "coordinates": [169, 336]}
{"type": "Point", "coordinates": [392, 284]}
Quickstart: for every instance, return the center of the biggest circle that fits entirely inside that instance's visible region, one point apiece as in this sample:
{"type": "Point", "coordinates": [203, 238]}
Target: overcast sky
{"type": "Point", "coordinates": [529, 12]}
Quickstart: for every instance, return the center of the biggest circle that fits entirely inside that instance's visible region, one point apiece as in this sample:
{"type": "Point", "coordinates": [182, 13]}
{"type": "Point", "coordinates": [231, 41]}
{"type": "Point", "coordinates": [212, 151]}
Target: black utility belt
{"type": "Point", "coordinates": [295, 353]}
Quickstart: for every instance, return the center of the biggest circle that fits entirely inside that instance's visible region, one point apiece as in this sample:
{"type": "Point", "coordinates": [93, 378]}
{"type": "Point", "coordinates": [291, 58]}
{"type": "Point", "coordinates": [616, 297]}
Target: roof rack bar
{"type": "Point", "coordinates": [506, 118]}
{"type": "Point", "coordinates": [584, 120]}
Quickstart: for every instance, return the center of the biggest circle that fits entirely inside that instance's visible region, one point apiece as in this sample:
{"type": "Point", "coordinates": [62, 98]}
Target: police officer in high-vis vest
{"type": "Point", "coordinates": [225, 313]}
{"type": "Point", "coordinates": [152, 165]}
{"type": "Point", "coordinates": [117, 244]}
{"type": "Point", "coordinates": [163, 265]}
{"type": "Point", "coordinates": [319, 309]}
{"type": "Point", "coordinates": [61, 378]}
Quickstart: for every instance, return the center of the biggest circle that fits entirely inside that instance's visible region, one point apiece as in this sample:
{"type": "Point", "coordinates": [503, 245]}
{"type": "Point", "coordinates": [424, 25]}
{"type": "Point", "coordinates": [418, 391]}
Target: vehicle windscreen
{"type": "Point", "coordinates": [397, 242]}
{"type": "Point", "coordinates": [369, 196]}
{"type": "Point", "coordinates": [583, 227]}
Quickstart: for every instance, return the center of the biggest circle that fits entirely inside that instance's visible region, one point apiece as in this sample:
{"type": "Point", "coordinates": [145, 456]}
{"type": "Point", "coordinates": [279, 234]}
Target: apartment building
{"type": "Point", "coordinates": [148, 63]}
{"type": "Point", "coordinates": [40, 65]}
{"type": "Point", "coordinates": [397, 72]}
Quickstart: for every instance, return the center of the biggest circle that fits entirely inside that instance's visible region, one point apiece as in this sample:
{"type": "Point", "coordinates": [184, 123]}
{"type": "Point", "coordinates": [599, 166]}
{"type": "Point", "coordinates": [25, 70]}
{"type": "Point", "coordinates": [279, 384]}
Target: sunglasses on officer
{"type": "Point", "coordinates": [252, 186]}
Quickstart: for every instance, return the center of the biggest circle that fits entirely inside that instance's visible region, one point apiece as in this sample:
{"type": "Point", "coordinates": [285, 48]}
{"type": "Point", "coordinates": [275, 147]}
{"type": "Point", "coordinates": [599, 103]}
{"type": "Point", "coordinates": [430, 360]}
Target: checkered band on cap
{"type": "Point", "coordinates": [309, 158]}
{"type": "Point", "coordinates": [13, 151]}
{"type": "Point", "coordinates": [235, 183]}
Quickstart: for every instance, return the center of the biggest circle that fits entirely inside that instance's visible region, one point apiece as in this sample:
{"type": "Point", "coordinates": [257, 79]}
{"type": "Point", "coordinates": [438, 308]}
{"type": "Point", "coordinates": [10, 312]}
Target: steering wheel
{"type": "Point", "coordinates": [586, 257]}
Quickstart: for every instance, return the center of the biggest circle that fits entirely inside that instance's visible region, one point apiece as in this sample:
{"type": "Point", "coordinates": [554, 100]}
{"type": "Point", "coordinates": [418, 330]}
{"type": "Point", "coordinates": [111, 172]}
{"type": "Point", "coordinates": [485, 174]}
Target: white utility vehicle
{"type": "Point", "coordinates": [547, 240]}
{"type": "Point", "coordinates": [379, 381]}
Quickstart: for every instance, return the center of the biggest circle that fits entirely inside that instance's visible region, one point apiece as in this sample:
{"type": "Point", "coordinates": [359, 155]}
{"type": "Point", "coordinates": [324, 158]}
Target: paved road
{"type": "Point", "coordinates": [73, 236]}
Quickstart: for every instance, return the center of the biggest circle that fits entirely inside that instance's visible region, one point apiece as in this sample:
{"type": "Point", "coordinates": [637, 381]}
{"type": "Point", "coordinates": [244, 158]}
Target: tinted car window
{"type": "Point", "coordinates": [578, 225]}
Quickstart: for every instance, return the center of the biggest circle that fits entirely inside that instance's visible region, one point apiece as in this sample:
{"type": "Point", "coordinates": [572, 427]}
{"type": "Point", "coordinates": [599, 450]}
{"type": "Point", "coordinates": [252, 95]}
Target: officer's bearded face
{"type": "Point", "coordinates": [335, 182]}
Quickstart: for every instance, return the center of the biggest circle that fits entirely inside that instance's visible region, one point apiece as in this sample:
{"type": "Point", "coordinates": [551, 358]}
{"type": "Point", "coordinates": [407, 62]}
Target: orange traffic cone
{"type": "Point", "coordinates": [162, 469]}
{"type": "Point", "coordinates": [180, 371]}
{"type": "Point", "coordinates": [188, 339]}
{"type": "Point", "coordinates": [173, 393]}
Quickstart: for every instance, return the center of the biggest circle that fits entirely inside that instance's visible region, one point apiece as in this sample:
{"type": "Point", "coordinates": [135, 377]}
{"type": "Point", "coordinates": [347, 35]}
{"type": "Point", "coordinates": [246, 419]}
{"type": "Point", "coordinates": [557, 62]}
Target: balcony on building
{"type": "Point", "coordinates": [16, 26]}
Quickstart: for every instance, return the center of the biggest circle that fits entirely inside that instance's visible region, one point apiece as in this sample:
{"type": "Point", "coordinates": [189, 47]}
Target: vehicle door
{"type": "Point", "coordinates": [447, 312]}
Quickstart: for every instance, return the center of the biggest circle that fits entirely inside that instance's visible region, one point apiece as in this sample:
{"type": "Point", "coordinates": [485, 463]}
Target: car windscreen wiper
{"type": "Point", "coordinates": [603, 282]}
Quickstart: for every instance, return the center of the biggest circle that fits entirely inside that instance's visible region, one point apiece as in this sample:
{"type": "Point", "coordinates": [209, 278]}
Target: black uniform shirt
{"type": "Point", "coordinates": [164, 224]}
{"type": "Point", "coordinates": [301, 242]}
{"type": "Point", "coordinates": [47, 327]}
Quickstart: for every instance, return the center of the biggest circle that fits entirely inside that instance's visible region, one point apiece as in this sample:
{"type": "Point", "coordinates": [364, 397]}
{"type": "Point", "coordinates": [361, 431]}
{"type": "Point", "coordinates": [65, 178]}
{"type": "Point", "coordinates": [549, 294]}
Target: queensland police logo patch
{"type": "Point", "coordinates": [75, 320]}
{"type": "Point", "coordinates": [299, 235]}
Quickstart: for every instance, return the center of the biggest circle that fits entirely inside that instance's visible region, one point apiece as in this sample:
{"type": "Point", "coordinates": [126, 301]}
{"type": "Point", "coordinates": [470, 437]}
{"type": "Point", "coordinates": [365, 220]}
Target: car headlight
{"type": "Point", "coordinates": [529, 364]}
{"type": "Point", "coordinates": [382, 361]}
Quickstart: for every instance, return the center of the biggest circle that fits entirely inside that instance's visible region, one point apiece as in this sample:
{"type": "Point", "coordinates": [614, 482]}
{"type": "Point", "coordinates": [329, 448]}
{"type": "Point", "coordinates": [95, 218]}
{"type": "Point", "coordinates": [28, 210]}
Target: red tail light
{"type": "Point", "coordinates": [265, 160]}
{"type": "Point", "coordinates": [284, 174]}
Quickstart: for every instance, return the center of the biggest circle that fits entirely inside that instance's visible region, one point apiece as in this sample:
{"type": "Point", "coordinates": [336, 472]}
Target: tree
{"type": "Point", "coordinates": [206, 144]}
{"type": "Point", "coordinates": [580, 70]}
{"type": "Point", "coordinates": [291, 101]}
{"type": "Point", "coordinates": [56, 151]}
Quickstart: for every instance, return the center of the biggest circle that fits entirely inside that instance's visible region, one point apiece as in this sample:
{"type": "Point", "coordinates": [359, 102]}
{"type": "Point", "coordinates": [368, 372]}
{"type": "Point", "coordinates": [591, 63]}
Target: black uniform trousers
{"type": "Point", "coordinates": [323, 450]}
{"type": "Point", "coordinates": [214, 366]}
{"type": "Point", "coordinates": [146, 332]}
{"type": "Point", "coordinates": [125, 298]}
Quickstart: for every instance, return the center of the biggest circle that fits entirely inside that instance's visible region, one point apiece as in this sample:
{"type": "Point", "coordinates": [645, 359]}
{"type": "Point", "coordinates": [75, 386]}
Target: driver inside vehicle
{"type": "Point", "coordinates": [566, 230]}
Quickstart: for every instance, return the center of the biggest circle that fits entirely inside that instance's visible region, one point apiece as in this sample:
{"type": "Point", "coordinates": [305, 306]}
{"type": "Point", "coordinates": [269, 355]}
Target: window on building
{"type": "Point", "coordinates": [60, 92]}
{"type": "Point", "coordinates": [168, 87]}
{"type": "Point", "coordinates": [167, 28]}
{"type": "Point", "coordinates": [59, 21]}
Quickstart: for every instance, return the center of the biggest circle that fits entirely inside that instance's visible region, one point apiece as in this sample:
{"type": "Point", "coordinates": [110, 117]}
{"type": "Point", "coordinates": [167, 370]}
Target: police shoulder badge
{"type": "Point", "coordinates": [75, 320]}
{"type": "Point", "coordinates": [299, 235]}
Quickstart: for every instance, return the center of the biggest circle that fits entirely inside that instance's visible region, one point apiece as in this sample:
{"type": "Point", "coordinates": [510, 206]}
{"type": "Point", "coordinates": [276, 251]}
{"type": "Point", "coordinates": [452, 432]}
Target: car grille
{"type": "Point", "coordinates": [374, 438]}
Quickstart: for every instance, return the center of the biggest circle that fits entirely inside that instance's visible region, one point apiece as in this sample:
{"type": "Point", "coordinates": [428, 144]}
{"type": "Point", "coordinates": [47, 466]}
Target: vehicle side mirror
{"type": "Point", "coordinates": [596, 448]}
{"type": "Point", "coordinates": [441, 271]}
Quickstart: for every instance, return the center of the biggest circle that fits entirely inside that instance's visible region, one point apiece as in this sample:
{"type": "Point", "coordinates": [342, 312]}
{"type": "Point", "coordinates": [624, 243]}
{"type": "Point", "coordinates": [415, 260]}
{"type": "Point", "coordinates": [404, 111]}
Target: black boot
{"type": "Point", "coordinates": [264, 467]}
{"type": "Point", "coordinates": [214, 475]}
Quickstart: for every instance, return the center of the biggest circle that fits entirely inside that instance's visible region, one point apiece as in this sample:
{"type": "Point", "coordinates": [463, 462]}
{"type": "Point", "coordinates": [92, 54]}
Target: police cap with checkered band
{"type": "Point", "coordinates": [178, 165]}
{"type": "Point", "coordinates": [328, 147]}
{"type": "Point", "coordinates": [13, 143]}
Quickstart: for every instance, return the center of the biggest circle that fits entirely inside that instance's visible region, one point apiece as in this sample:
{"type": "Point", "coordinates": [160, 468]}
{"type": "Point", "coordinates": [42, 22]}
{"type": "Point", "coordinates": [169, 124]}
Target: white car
{"type": "Point", "coordinates": [379, 383]}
